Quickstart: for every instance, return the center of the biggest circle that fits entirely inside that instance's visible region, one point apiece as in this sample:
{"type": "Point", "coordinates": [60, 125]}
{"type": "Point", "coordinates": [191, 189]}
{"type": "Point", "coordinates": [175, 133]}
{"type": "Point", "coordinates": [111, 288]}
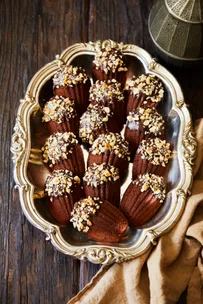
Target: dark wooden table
{"type": "Point", "coordinates": [32, 33]}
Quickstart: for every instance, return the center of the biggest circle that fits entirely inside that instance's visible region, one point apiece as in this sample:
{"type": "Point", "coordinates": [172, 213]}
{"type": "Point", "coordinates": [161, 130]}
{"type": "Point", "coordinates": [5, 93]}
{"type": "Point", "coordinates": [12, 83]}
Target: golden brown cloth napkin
{"type": "Point", "coordinates": [165, 271]}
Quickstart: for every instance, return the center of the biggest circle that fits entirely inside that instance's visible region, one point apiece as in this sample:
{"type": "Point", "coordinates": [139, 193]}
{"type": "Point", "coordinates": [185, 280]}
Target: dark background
{"type": "Point", "coordinates": [31, 34]}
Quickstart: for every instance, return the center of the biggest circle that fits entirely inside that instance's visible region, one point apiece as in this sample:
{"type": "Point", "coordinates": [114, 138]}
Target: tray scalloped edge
{"type": "Point", "coordinates": [21, 145]}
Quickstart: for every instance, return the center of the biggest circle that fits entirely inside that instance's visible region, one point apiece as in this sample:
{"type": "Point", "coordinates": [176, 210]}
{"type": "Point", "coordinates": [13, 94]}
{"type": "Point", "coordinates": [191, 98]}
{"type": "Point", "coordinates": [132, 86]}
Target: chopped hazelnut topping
{"type": "Point", "coordinates": [150, 85]}
{"type": "Point", "coordinates": [151, 120]}
{"type": "Point", "coordinates": [156, 150]}
{"type": "Point", "coordinates": [58, 146]}
{"type": "Point", "coordinates": [109, 59]}
{"type": "Point", "coordinates": [100, 174]}
{"type": "Point", "coordinates": [68, 75]}
{"type": "Point", "coordinates": [111, 142]}
{"type": "Point", "coordinates": [83, 211]}
{"type": "Point", "coordinates": [154, 182]}
{"type": "Point", "coordinates": [94, 119]}
{"type": "Point", "coordinates": [60, 183]}
{"type": "Point", "coordinates": [109, 90]}
{"type": "Point", "coordinates": [59, 109]}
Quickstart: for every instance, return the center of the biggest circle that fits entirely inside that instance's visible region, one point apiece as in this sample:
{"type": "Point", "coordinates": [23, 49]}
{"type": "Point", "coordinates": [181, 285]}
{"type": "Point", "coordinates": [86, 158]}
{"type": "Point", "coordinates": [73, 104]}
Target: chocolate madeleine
{"type": "Point", "coordinates": [73, 82]}
{"type": "Point", "coordinates": [145, 90]}
{"type": "Point", "coordinates": [62, 189]}
{"type": "Point", "coordinates": [143, 198]}
{"type": "Point", "coordinates": [109, 94]}
{"type": "Point", "coordinates": [152, 156]}
{"type": "Point", "coordinates": [60, 115]}
{"type": "Point", "coordinates": [142, 124]}
{"type": "Point", "coordinates": [99, 219]}
{"type": "Point", "coordinates": [111, 149]}
{"type": "Point", "coordinates": [95, 121]}
{"type": "Point", "coordinates": [109, 64]}
{"type": "Point", "coordinates": [62, 151]}
{"type": "Point", "coordinates": [102, 181]}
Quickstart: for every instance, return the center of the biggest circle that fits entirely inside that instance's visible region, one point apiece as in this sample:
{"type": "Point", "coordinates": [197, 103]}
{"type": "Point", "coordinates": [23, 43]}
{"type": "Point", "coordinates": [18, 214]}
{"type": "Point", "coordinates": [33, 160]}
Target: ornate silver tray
{"type": "Point", "coordinates": [30, 173]}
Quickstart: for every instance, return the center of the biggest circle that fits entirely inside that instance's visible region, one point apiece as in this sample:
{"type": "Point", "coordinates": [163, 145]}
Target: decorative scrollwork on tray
{"type": "Point", "coordinates": [18, 141]}
{"type": "Point", "coordinates": [182, 194]}
{"type": "Point", "coordinates": [24, 187]}
{"type": "Point", "coordinates": [189, 145]}
{"type": "Point", "coordinates": [98, 45]}
{"type": "Point", "coordinates": [153, 64]}
{"type": "Point", "coordinates": [58, 61]}
{"type": "Point", "coordinates": [152, 235]}
{"type": "Point", "coordinates": [49, 232]}
{"type": "Point", "coordinates": [102, 255]}
{"type": "Point", "coordinates": [180, 103]}
{"type": "Point", "coordinates": [29, 97]}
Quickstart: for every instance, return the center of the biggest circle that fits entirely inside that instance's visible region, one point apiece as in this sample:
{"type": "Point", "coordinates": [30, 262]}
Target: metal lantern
{"type": "Point", "coordinates": [176, 27]}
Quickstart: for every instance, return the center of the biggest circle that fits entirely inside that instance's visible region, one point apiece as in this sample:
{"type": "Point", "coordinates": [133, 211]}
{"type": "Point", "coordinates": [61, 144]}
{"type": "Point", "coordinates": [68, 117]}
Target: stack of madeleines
{"type": "Point", "coordinates": [94, 115]}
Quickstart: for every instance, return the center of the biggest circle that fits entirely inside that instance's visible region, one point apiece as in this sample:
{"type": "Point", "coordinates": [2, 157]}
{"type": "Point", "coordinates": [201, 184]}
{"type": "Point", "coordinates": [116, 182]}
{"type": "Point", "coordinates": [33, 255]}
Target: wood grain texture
{"type": "Point", "coordinates": [32, 33]}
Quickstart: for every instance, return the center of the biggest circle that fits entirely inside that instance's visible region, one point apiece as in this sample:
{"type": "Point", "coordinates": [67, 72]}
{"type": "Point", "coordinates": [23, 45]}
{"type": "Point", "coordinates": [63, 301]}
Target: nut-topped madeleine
{"type": "Point", "coordinates": [103, 181]}
{"type": "Point", "coordinates": [143, 198]}
{"type": "Point", "coordinates": [62, 189]}
{"type": "Point", "coordinates": [143, 123]}
{"type": "Point", "coordinates": [152, 156]}
{"type": "Point", "coordinates": [62, 151]}
{"type": "Point", "coordinates": [145, 90]}
{"type": "Point", "coordinates": [109, 63]}
{"type": "Point", "coordinates": [95, 121]}
{"type": "Point", "coordinates": [99, 219]}
{"type": "Point", "coordinates": [111, 149]}
{"type": "Point", "coordinates": [110, 94]}
{"type": "Point", "coordinates": [59, 115]}
{"type": "Point", "coordinates": [73, 82]}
